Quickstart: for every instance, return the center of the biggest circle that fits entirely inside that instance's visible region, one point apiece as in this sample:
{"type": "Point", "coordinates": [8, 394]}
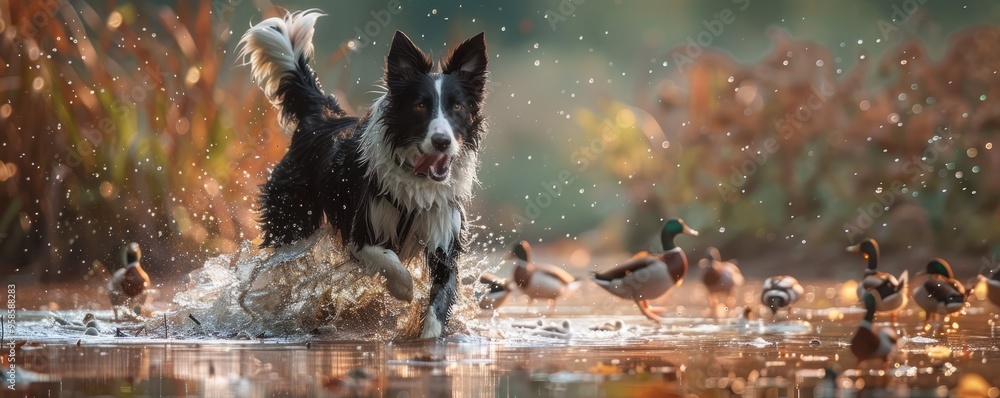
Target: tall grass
{"type": "Point", "coordinates": [126, 123]}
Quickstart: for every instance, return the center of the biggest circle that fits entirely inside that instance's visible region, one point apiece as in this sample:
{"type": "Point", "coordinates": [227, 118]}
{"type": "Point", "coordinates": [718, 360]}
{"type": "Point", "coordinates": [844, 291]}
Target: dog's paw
{"type": "Point", "coordinates": [432, 326]}
{"type": "Point", "coordinates": [400, 286]}
{"type": "Point", "coordinates": [377, 260]}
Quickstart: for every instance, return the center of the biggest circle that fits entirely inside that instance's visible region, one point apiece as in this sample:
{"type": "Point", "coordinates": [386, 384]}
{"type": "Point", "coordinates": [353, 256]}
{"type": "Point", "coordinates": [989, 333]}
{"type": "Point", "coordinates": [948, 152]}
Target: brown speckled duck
{"type": "Point", "coordinates": [536, 280]}
{"type": "Point", "coordinates": [648, 276]}
{"type": "Point", "coordinates": [128, 284]}
{"type": "Point", "coordinates": [721, 278]}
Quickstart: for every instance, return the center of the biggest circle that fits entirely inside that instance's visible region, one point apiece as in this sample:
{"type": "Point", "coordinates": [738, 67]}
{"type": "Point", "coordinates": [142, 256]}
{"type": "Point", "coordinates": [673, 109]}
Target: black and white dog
{"type": "Point", "coordinates": [393, 182]}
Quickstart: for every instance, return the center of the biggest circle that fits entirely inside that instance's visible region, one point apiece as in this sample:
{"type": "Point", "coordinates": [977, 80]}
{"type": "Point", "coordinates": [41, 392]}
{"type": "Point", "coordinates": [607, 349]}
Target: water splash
{"type": "Point", "coordinates": [310, 288]}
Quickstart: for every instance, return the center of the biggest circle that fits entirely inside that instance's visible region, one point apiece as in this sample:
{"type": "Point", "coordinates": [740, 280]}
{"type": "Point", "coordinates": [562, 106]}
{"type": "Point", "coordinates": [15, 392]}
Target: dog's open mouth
{"type": "Point", "coordinates": [433, 165]}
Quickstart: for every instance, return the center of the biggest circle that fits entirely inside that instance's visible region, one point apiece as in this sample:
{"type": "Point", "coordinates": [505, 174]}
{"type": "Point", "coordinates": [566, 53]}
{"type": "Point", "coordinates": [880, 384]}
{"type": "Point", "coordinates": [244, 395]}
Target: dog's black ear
{"type": "Point", "coordinates": [404, 61]}
{"type": "Point", "coordinates": [469, 61]}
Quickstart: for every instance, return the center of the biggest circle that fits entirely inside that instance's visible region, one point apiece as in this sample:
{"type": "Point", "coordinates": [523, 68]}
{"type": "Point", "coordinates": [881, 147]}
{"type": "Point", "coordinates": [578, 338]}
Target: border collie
{"type": "Point", "coordinates": [393, 182]}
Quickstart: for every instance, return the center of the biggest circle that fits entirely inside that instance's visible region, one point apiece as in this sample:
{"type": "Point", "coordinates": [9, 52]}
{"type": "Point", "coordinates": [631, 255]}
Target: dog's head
{"type": "Point", "coordinates": [433, 117]}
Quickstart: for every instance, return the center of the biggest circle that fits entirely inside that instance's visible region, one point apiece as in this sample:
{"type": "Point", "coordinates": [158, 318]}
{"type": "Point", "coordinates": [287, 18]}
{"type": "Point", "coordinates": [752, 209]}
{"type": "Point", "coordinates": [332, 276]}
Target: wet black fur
{"type": "Point", "coordinates": [323, 173]}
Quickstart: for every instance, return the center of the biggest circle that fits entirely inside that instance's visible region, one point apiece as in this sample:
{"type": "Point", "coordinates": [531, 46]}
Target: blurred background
{"type": "Point", "coordinates": [782, 130]}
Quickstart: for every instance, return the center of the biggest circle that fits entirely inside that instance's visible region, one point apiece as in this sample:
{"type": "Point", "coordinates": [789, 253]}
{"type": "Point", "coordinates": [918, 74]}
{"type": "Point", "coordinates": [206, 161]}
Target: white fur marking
{"type": "Point", "coordinates": [432, 229]}
{"type": "Point", "coordinates": [432, 326]}
{"type": "Point", "coordinates": [439, 124]}
{"type": "Point", "coordinates": [384, 218]}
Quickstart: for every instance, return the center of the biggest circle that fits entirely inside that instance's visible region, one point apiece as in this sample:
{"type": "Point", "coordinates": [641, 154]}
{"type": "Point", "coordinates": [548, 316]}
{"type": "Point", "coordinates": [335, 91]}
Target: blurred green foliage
{"type": "Point", "coordinates": [131, 122]}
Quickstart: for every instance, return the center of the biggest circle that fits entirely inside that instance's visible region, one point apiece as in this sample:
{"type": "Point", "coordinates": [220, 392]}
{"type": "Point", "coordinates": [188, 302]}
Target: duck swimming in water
{"type": "Point", "coordinates": [721, 278]}
{"type": "Point", "coordinates": [536, 280]}
{"type": "Point", "coordinates": [870, 342]}
{"type": "Point", "coordinates": [993, 287]}
{"type": "Point", "coordinates": [941, 293]}
{"type": "Point", "coordinates": [498, 290]}
{"type": "Point", "coordinates": [892, 291]}
{"type": "Point", "coordinates": [647, 276]}
{"type": "Point", "coordinates": [780, 292]}
{"type": "Point", "coordinates": [128, 284]}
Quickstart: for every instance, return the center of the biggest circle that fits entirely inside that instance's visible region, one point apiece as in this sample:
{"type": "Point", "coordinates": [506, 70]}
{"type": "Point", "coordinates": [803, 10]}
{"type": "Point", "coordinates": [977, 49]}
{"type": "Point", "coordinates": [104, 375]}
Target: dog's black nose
{"type": "Point", "coordinates": [441, 142]}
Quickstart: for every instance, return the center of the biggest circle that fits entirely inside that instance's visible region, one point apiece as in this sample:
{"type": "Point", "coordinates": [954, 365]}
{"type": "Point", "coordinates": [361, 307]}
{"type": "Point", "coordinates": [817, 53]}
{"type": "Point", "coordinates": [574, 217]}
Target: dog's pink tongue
{"type": "Point", "coordinates": [439, 170]}
{"type": "Point", "coordinates": [424, 163]}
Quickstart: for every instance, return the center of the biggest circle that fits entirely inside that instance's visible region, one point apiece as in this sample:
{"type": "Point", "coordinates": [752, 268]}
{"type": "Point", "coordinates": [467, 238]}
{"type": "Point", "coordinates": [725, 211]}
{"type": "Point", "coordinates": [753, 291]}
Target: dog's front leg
{"type": "Point", "coordinates": [444, 289]}
{"type": "Point", "coordinates": [379, 260]}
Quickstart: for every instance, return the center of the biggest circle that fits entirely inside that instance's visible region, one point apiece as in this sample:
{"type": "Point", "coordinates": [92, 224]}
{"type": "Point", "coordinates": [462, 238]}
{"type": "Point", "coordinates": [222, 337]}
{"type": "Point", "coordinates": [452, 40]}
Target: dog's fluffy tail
{"type": "Point", "coordinates": [279, 51]}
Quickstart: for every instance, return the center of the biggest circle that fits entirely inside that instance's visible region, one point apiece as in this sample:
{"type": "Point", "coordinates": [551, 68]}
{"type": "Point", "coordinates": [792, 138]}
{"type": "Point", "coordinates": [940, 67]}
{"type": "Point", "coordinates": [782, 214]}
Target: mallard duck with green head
{"type": "Point", "coordinates": [721, 278]}
{"type": "Point", "coordinates": [781, 292]}
{"type": "Point", "coordinates": [941, 293]}
{"type": "Point", "coordinates": [892, 291]}
{"type": "Point", "coordinates": [128, 283]}
{"type": "Point", "coordinates": [646, 276]}
{"type": "Point", "coordinates": [870, 342]}
{"type": "Point", "coordinates": [539, 281]}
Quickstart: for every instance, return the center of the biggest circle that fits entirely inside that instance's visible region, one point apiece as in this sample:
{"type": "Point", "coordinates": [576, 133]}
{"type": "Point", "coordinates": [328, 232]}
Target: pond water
{"type": "Point", "coordinates": [508, 355]}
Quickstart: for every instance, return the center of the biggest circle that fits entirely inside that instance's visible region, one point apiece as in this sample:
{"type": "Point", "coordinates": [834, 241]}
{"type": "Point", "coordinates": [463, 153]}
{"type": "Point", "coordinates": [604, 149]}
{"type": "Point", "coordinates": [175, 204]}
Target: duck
{"type": "Point", "coordinates": [780, 292]}
{"type": "Point", "coordinates": [941, 293]}
{"type": "Point", "coordinates": [869, 341]}
{"type": "Point", "coordinates": [744, 320]}
{"type": "Point", "coordinates": [827, 386]}
{"type": "Point", "coordinates": [993, 287]}
{"type": "Point", "coordinates": [721, 278]}
{"type": "Point", "coordinates": [747, 314]}
{"type": "Point", "coordinates": [128, 283]}
{"type": "Point", "coordinates": [498, 290]}
{"type": "Point", "coordinates": [536, 280]}
{"type": "Point", "coordinates": [891, 290]}
{"type": "Point", "coordinates": [647, 276]}
{"type": "Point", "coordinates": [609, 326]}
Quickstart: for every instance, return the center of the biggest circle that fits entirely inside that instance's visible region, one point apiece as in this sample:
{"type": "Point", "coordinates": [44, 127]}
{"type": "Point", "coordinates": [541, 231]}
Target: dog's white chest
{"type": "Point", "coordinates": [434, 228]}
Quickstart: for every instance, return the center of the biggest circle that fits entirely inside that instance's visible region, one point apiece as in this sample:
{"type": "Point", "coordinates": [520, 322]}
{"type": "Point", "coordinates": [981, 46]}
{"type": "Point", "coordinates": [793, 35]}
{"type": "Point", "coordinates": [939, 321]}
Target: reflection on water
{"type": "Point", "coordinates": [511, 355]}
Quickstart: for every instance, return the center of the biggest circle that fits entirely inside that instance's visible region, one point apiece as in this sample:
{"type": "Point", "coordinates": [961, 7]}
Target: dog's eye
{"type": "Point", "coordinates": [457, 107]}
{"type": "Point", "coordinates": [420, 107]}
